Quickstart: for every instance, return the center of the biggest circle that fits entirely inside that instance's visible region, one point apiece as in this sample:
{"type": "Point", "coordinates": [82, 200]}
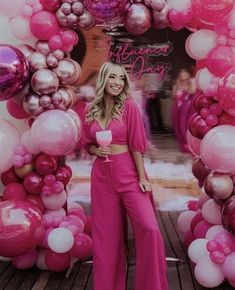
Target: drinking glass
{"type": "Point", "coordinates": [104, 138]}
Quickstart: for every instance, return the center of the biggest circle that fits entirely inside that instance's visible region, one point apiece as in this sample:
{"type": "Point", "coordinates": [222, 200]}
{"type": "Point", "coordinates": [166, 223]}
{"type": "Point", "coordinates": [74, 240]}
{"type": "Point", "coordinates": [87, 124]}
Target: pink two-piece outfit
{"type": "Point", "coordinates": [114, 188]}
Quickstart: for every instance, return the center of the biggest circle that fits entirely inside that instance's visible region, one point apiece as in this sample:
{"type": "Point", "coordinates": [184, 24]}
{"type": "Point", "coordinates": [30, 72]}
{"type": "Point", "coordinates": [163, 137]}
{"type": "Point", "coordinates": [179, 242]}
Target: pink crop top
{"type": "Point", "coordinates": [129, 129]}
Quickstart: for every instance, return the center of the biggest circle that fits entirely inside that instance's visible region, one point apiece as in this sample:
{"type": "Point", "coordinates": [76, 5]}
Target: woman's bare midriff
{"type": "Point", "coordinates": [117, 149]}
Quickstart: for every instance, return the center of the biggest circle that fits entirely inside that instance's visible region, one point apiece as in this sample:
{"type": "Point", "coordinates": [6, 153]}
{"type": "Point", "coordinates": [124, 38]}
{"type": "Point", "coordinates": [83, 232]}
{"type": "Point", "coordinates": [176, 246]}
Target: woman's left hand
{"type": "Point", "coordinates": [145, 185]}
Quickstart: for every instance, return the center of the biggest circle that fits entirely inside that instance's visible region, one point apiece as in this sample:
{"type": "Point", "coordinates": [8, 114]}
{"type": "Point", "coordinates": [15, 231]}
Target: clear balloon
{"type": "Point", "coordinates": [21, 227]}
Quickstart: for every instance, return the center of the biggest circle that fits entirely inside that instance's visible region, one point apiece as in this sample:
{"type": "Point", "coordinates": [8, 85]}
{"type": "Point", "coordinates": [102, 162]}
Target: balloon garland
{"type": "Point", "coordinates": [37, 79]}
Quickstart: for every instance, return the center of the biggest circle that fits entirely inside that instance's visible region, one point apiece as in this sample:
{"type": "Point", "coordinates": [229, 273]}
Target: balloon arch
{"type": "Point", "coordinates": [37, 77]}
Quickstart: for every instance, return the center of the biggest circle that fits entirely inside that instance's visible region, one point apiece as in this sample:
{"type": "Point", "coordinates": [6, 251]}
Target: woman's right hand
{"type": "Point", "coordinates": [103, 151]}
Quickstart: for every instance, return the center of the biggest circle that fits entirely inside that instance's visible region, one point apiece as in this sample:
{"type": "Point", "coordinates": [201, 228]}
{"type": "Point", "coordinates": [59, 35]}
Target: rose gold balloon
{"type": "Point", "coordinates": [86, 20]}
{"type": "Point", "coordinates": [19, 97]}
{"type": "Point", "coordinates": [72, 19]}
{"type": "Point", "coordinates": [218, 185]}
{"type": "Point", "coordinates": [37, 61]}
{"type": "Point", "coordinates": [24, 170]}
{"type": "Point", "coordinates": [68, 71]}
{"type": "Point", "coordinates": [45, 101]}
{"type": "Point", "coordinates": [156, 5]}
{"type": "Point", "coordinates": [59, 54]}
{"type": "Point", "coordinates": [137, 19]}
{"type": "Point", "coordinates": [52, 61]}
{"type": "Point", "coordinates": [160, 19]}
{"type": "Point", "coordinates": [78, 8]}
{"type": "Point", "coordinates": [32, 105]}
{"type": "Point", "coordinates": [44, 82]}
{"type": "Point", "coordinates": [62, 19]}
{"type": "Point", "coordinates": [64, 96]}
{"type": "Point", "coordinates": [26, 49]}
{"type": "Point", "coordinates": [43, 47]}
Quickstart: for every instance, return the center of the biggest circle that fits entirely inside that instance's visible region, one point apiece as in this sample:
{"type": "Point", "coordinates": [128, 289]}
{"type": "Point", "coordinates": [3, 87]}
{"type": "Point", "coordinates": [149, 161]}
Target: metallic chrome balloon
{"type": "Point", "coordinates": [72, 19]}
{"type": "Point", "coordinates": [78, 8]}
{"type": "Point", "coordinates": [66, 8]}
{"type": "Point", "coordinates": [43, 47]}
{"type": "Point", "coordinates": [137, 19]}
{"type": "Point", "coordinates": [160, 19]}
{"type": "Point", "coordinates": [52, 61]}
{"type": "Point", "coordinates": [218, 185]}
{"type": "Point", "coordinates": [26, 49]}
{"type": "Point", "coordinates": [45, 101]}
{"type": "Point", "coordinates": [156, 5]}
{"type": "Point", "coordinates": [86, 20]}
{"type": "Point", "coordinates": [13, 71]}
{"type": "Point", "coordinates": [64, 96]}
{"type": "Point", "coordinates": [68, 71]}
{"type": "Point", "coordinates": [62, 19]}
{"type": "Point", "coordinates": [37, 61]}
{"type": "Point", "coordinates": [44, 82]}
{"type": "Point", "coordinates": [31, 105]}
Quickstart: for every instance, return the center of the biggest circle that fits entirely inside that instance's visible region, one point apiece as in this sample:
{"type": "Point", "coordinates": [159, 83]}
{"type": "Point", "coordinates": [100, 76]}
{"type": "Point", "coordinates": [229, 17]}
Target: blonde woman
{"type": "Point", "coordinates": [121, 185]}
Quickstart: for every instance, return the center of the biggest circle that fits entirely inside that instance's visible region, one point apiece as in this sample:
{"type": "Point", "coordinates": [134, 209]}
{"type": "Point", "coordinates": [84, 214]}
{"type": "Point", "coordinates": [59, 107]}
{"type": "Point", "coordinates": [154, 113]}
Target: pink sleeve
{"type": "Point", "coordinates": [137, 140]}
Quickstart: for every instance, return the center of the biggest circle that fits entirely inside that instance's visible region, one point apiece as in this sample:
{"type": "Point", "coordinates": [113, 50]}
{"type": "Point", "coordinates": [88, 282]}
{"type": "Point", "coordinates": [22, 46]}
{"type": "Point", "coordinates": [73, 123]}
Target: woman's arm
{"type": "Point", "coordinates": [144, 184]}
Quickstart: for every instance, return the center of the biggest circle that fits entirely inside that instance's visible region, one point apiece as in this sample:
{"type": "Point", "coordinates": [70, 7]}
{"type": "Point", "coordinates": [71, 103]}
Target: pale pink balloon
{"type": "Point", "coordinates": [27, 141]}
{"type": "Point", "coordinates": [197, 250]}
{"type": "Point", "coordinates": [208, 274]}
{"type": "Point", "coordinates": [26, 261]}
{"type": "Point", "coordinates": [184, 220]}
{"type": "Point", "coordinates": [10, 8]}
{"type": "Point", "coordinates": [211, 233]}
{"type": "Point", "coordinates": [55, 132]}
{"type": "Point", "coordinates": [9, 138]}
{"type": "Point", "coordinates": [218, 150]}
{"type": "Point", "coordinates": [137, 20]}
{"type": "Point", "coordinates": [20, 27]}
{"type": "Point", "coordinates": [211, 212]}
{"type": "Point", "coordinates": [54, 201]}
{"type": "Point", "coordinates": [179, 5]}
{"type": "Point", "coordinates": [193, 143]}
{"type": "Point", "coordinates": [60, 240]}
{"type": "Point", "coordinates": [229, 266]}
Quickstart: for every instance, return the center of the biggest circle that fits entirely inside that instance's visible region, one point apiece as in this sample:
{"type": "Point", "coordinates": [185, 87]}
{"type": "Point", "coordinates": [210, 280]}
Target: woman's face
{"type": "Point", "coordinates": [115, 82]}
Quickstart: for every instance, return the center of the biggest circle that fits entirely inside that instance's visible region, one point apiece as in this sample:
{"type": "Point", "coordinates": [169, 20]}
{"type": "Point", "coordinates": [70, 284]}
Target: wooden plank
{"type": "Point", "coordinates": [172, 270]}
{"type": "Point", "coordinates": [42, 280]}
{"type": "Point", "coordinates": [82, 277]}
{"type": "Point", "coordinates": [4, 266]}
{"type": "Point", "coordinates": [16, 280]}
{"type": "Point", "coordinates": [66, 283]}
{"type": "Point", "coordinates": [7, 275]}
{"type": "Point", "coordinates": [54, 280]}
{"type": "Point", "coordinates": [29, 279]}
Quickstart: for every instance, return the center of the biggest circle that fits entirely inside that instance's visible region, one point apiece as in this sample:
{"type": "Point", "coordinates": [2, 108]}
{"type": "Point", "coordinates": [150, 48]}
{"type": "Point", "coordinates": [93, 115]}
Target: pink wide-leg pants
{"type": "Point", "coordinates": [114, 187]}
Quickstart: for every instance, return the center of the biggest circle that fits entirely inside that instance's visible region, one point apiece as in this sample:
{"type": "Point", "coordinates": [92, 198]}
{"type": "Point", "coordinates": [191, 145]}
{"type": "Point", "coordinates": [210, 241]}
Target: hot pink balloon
{"type": "Point", "coordinates": [33, 183]}
{"type": "Point", "coordinates": [14, 73]}
{"type": "Point", "coordinates": [193, 143]}
{"type": "Point", "coordinates": [46, 164]}
{"type": "Point", "coordinates": [106, 11]}
{"type": "Point", "coordinates": [55, 132]}
{"type": "Point", "coordinates": [51, 5]}
{"type": "Point", "coordinates": [57, 262]}
{"type": "Point", "coordinates": [14, 191]}
{"type": "Point", "coordinates": [9, 176]}
{"type": "Point", "coordinates": [44, 25]}
{"type": "Point", "coordinates": [217, 149]}
{"type": "Point", "coordinates": [21, 228]}
{"type": "Point", "coordinates": [82, 247]}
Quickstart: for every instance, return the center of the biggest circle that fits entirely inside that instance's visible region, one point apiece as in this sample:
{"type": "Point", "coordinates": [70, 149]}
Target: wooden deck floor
{"type": "Point", "coordinates": [180, 275]}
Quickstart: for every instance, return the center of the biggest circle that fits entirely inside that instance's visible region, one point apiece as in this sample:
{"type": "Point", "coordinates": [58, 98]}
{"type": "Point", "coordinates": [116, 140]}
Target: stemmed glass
{"type": "Point", "coordinates": [104, 138]}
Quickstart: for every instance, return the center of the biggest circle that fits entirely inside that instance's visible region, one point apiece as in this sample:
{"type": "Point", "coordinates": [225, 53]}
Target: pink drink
{"type": "Point", "coordinates": [104, 138]}
{"type": "Point", "coordinates": [104, 141]}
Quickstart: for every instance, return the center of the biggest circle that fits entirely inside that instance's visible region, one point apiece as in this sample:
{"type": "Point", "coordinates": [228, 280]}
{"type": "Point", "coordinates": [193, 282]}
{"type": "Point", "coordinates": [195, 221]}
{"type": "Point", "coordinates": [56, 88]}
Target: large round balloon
{"type": "Point", "coordinates": [55, 132]}
{"type": "Point", "coordinates": [21, 227]}
{"type": "Point", "coordinates": [228, 214]}
{"type": "Point", "coordinates": [217, 149]}
{"type": "Point", "coordinates": [14, 73]}
{"type": "Point", "coordinates": [9, 138]}
{"type": "Point", "coordinates": [106, 11]}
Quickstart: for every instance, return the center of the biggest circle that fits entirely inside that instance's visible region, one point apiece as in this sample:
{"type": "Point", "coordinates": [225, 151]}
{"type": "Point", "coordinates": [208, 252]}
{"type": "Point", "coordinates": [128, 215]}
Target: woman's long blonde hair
{"type": "Point", "coordinates": [97, 107]}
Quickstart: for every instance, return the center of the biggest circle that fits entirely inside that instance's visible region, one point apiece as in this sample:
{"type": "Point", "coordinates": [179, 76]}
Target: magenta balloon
{"type": "Point", "coordinates": [55, 132]}
{"type": "Point", "coordinates": [9, 176]}
{"type": "Point", "coordinates": [137, 20]}
{"type": "Point", "coordinates": [226, 119]}
{"type": "Point", "coordinates": [198, 127]}
{"type": "Point", "coordinates": [218, 150]}
{"type": "Point", "coordinates": [199, 170]}
{"type": "Point", "coordinates": [211, 11]}
{"type": "Point", "coordinates": [46, 164]}
{"type": "Point", "coordinates": [201, 101]}
{"type": "Point", "coordinates": [44, 25]}
{"type": "Point", "coordinates": [14, 73]}
{"type": "Point", "coordinates": [193, 143]}
{"type": "Point", "coordinates": [57, 262]}
{"type": "Point", "coordinates": [106, 11]}
{"type": "Point", "coordinates": [219, 60]}
{"type": "Point", "coordinates": [51, 5]}
{"type": "Point", "coordinates": [63, 174]}
{"type": "Point", "coordinates": [15, 110]}
{"type": "Point", "coordinates": [14, 191]}
{"type": "Point", "coordinates": [33, 183]}
{"type": "Point", "coordinates": [82, 247]}
{"type": "Point", "coordinates": [21, 227]}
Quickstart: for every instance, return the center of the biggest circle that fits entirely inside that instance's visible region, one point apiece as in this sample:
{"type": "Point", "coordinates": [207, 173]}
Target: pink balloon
{"type": "Point", "coordinates": [219, 60]}
{"type": "Point", "coordinates": [55, 132]}
{"type": "Point", "coordinates": [14, 191]}
{"type": "Point", "coordinates": [193, 143]}
{"type": "Point", "coordinates": [137, 19]}
{"type": "Point", "coordinates": [200, 229]}
{"type": "Point", "coordinates": [51, 5]}
{"type": "Point", "coordinates": [228, 267]}
{"type": "Point", "coordinates": [9, 176]}
{"type": "Point", "coordinates": [33, 183]}
{"type": "Point", "coordinates": [82, 247]}
{"type": "Point", "coordinates": [44, 25]}
{"type": "Point", "coordinates": [21, 228]}
{"type": "Point", "coordinates": [10, 8]}
{"type": "Point", "coordinates": [197, 218]}
{"type": "Point", "coordinates": [28, 142]}
{"type": "Point", "coordinates": [57, 262]}
{"type": "Point", "coordinates": [106, 11]}
{"type": "Point", "coordinates": [45, 164]}
{"type": "Point", "coordinates": [20, 28]}
{"type": "Point", "coordinates": [184, 220]}
{"type": "Point", "coordinates": [15, 110]}
{"type": "Point", "coordinates": [217, 149]}
{"type": "Point", "coordinates": [26, 260]}
{"type": "Point", "coordinates": [211, 212]}
{"type": "Point", "coordinates": [36, 200]}
{"type": "Point", "coordinates": [54, 201]}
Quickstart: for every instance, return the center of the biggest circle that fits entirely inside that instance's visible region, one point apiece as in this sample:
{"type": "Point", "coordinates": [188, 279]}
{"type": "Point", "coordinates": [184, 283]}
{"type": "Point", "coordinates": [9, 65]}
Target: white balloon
{"type": "Point", "coordinates": [179, 4]}
{"type": "Point", "coordinates": [201, 42]}
{"type": "Point", "coordinates": [203, 79]}
{"type": "Point", "coordinates": [197, 250]}
{"type": "Point", "coordinates": [60, 240]}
